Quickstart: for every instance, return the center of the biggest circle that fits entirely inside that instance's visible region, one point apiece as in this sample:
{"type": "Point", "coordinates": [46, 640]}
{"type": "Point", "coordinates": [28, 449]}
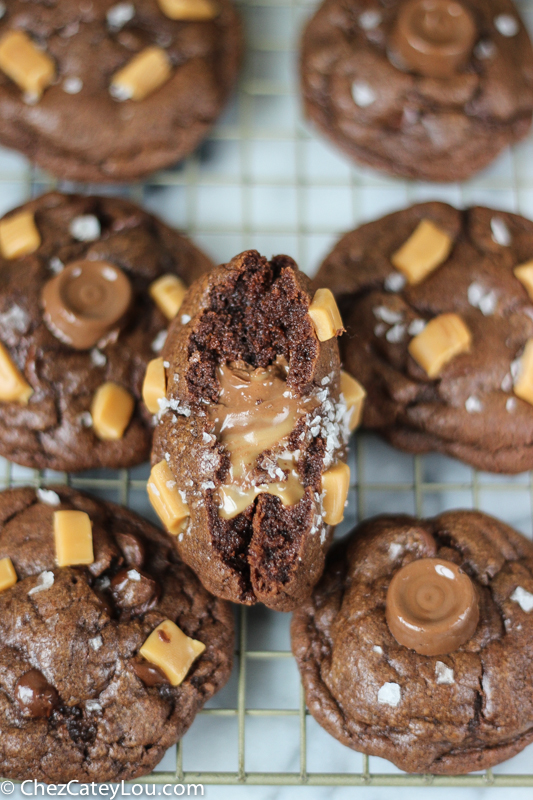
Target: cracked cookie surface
{"type": "Point", "coordinates": [54, 429]}
{"type": "Point", "coordinates": [77, 129]}
{"type": "Point", "coordinates": [448, 714]}
{"type": "Point", "coordinates": [78, 631]}
{"type": "Point", "coordinates": [404, 122]}
{"type": "Point", "coordinates": [470, 410]}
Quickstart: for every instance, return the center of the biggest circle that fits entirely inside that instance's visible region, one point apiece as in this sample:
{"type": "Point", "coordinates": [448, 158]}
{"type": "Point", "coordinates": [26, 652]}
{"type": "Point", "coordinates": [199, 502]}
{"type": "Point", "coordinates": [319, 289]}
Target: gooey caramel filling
{"type": "Point", "coordinates": [257, 412]}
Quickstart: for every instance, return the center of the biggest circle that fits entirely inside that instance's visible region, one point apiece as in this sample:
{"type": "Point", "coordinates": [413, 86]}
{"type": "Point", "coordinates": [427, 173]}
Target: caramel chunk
{"type": "Point", "coordinates": [524, 273]}
{"type": "Point", "coordinates": [168, 292]}
{"type": "Point", "coordinates": [111, 410]}
{"type": "Point", "coordinates": [8, 576]}
{"type": "Point", "coordinates": [354, 396]}
{"type": "Point", "coordinates": [145, 73]}
{"type": "Point", "coordinates": [166, 499]}
{"type": "Point", "coordinates": [335, 485]}
{"type": "Point", "coordinates": [155, 385]}
{"type": "Point", "coordinates": [73, 536]}
{"type": "Point", "coordinates": [445, 337]}
{"type": "Point", "coordinates": [26, 65]}
{"type": "Point", "coordinates": [426, 249]}
{"type": "Point", "coordinates": [523, 387]}
{"type": "Point", "coordinates": [13, 387]}
{"type": "Point", "coordinates": [325, 315]}
{"type": "Point", "coordinates": [19, 235]}
{"type": "Point", "coordinates": [172, 651]}
{"type": "Point", "coordinates": [192, 10]}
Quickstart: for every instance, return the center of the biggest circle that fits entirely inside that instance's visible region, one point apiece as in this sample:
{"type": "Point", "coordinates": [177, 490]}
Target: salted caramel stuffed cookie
{"type": "Point", "coordinates": [248, 460]}
{"type": "Point", "coordinates": [430, 89]}
{"type": "Point", "coordinates": [87, 288]}
{"type": "Point", "coordinates": [107, 91]}
{"type": "Point", "coordinates": [415, 646]}
{"type": "Point", "coordinates": [439, 315]}
{"type": "Point", "coordinates": [109, 644]}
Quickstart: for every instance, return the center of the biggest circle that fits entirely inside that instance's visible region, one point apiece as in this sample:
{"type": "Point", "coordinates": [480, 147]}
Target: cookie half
{"type": "Point", "coordinates": [439, 315]}
{"type": "Point", "coordinates": [113, 91]}
{"type": "Point", "coordinates": [86, 694]}
{"type": "Point", "coordinates": [465, 707]}
{"type": "Point", "coordinates": [418, 88]}
{"type": "Point", "coordinates": [248, 459]}
{"type": "Point", "coordinates": [88, 285]}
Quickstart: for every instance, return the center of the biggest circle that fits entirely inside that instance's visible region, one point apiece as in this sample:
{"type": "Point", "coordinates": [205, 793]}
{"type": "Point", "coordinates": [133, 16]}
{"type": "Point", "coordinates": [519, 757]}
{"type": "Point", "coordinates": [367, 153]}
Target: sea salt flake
{"type": "Point", "coordinates": [93, 705]}
{"type": "Point", "coordinates": [159, 341]}
{"type": "Point", "coordinates": [48, 497]}
{"type": "Point", "coordinates": [15, 319]}
{"type": "Point", "coordinates": [133, 575]}
{"type": "Point", "coordinates": [510, 405]}
{"type": "Point", "coordinates": [377, 649]}
{"type": "Point", "coordinates": [500, 232]}
{"type": "Point", "coordinates": [516, 367]}
{"type": "Point", "coordinates": [523, 598]}
{"type": "Point", "coordinates": [119, 15]}
{"type": "Point", "coordinates": [370, 19]}
{"type": "Point", "coordinates": [208, 485]}
{"type": "Point", "coordinates": [473, 405]}
{"type": "Point", "coordinates": [380, 329]}
{"type": "Point", "coordinates": [120, 93]}
{"type": "Point", "coordinates": [387, 315]}
{"type": "Point", "coordinates": [395, 282]}
{"type": "Point", "coordinates": [394, 550]}
{"type": "Point", "coordinates": [185, 318]}
{"type": "Point", "coordinates": [416, 326]}
{"type": "Point", "coordinates": [72, 85]}
{"type": "Point", "coordinates": [444, 674]}
{"type": "Point", "coordinates": [395, 334]}
{"type": "Point", "coordinates": [154, 489]}
{"type": "Point", "coordinates": [44, 582]}
{"type": "Point", "coordinates": [85, 419]}
{"type": "Point", "coordinates": [363, 94]}
{"type": "Point", "coordinates": [488, 303]}
{"type": "Point", "coordinates": [96, 643]}
{"type": "Point", "coordinates": [389, 695]}
{"type": "Point", "coordinates": [485, 49]}
{"type": "Point", "coordinates": [85, 228]}
{"type": "Point", "coordinates": [56, 265]}
{"type": "Point", "coordinates": [507, 383]}
{"type": "Point", "coordinates": [98, 358]}
{"type": "Point", "coordinates": [506, 24]}
{"type": "Point", "coordinates": [30, 98]}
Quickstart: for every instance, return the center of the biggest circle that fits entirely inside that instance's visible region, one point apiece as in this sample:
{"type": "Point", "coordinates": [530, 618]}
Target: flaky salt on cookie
{"type": "Point", "coordinates": [249, 472]}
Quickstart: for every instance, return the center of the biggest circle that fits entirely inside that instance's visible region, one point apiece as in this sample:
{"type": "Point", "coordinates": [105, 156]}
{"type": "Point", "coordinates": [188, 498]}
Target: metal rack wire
{"type": "Point", "coordinates": [264, 180]}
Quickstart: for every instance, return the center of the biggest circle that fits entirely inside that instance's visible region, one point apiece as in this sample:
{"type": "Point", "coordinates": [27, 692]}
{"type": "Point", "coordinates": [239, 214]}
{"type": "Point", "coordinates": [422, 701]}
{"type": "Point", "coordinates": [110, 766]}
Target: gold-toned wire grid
{"type": "Point", "coordinates": [260, 159]}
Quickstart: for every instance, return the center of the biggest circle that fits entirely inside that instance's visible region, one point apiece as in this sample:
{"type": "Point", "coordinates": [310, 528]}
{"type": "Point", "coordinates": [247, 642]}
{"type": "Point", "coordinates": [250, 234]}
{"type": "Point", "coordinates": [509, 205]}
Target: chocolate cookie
{"type": "Point", "coordinates": [87, 286]}
{"type": "Point", "coordinates": [248, 471]}
{"type": "Point", "coordinates": [438, 308]}
{"type": "Point", "coordinates": [107, 91]}
{"type": "Point", "coordinates": [430, 89]}
{"type": "Point", "coordinates": [416, 643]}
{"type": "Point", "coordinates": [102, 666]}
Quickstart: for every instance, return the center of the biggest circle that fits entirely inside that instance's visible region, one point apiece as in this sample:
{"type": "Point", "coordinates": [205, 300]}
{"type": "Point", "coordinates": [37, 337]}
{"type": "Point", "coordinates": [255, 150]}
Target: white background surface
{"type": "Point", "coordinates": [265, 180]}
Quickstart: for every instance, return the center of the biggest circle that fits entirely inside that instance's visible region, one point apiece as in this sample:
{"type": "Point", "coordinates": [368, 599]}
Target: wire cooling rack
{"type": "Point", "coordinates": [264, 180]}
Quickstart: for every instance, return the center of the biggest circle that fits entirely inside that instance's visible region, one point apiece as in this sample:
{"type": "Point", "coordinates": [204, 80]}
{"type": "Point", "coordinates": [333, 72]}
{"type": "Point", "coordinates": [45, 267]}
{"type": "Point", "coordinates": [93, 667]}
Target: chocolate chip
{"type": "Point", "coordinates": [132, 548]}
{"type": "Point", "coordinates": [134, 591]}
{"type": "Point", "coordinates": [149, 674]}
{"type": "Point", "coordinates": [34, 694]}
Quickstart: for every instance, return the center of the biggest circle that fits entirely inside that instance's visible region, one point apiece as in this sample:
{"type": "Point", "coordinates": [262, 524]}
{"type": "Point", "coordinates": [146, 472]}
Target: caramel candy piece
{"type": "Point", "coordinates": [172, 651]}
{"type": "Point", "coordinates": [26, 65]}
{"type": "Point", "coordinates": [325, 315]}
{"type": "Point", "coordinates": [85, 301]}
{"type": "Point", "coordinates": [166, 499]}
{"type": "Point", "coordinates": [145, 73]}
{"type": "Point", "coordinates": [8, 576]}
{"type": "Point", "coordinates": [13, 387]}
{"type": "Point", "coordinates": [524, 273]}
{"type": "Point", "coordinates": [426, 249]}
{"type": "Point", "coordinates": [192, 10]}
{"type": "Point", "coordinates": [335, 485]}
{"type": "Point", "coordinates": [154, 385]}
{"type": "Point", "coordinates": [111, 410]}
{"type": "Point", "coordinates": [19, 235]}
{"type": "Point", "coordinates": [434, 37]}
{"type": "Point", "coordinates": [443, 338]}
{"type": "Point", "coordinates": [432, 607]}
{"type": "Point", "coordinates": [73, 536]}
{"type": "Point", "coordinates": [354, 396]}
{"type": "Point", "coordinates": [168, 292]}
{"type": "Point", "coordinates": [523, 387]}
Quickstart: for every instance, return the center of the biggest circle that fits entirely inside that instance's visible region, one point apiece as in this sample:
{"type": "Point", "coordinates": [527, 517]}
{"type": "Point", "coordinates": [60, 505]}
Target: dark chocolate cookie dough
{"type": "Point", "coordinates": [252, 433]}
{"type": "Point", "coordinates": [474, 408]}
{"type": "Point", "coordinates": [462, 710]}
{"type": "Point", "coordinates": [77, 700]}
{"type": "Point", "coordinates": [418, 88]}
{"type": "Point", "coordinates": [83, 126]}
{"type": "Point", "coordinates": [131, 249]}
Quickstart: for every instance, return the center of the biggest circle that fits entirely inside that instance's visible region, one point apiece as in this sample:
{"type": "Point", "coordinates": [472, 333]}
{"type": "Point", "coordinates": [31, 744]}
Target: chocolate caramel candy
{"type": "Point", "coordinates": [432, 607]}
{"type": "Point", "coordinates": [34, 694]}
{"type": "Point", "coordinates": [85, 302]}
{"type": "Point", "coordinates": [434, 37]}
